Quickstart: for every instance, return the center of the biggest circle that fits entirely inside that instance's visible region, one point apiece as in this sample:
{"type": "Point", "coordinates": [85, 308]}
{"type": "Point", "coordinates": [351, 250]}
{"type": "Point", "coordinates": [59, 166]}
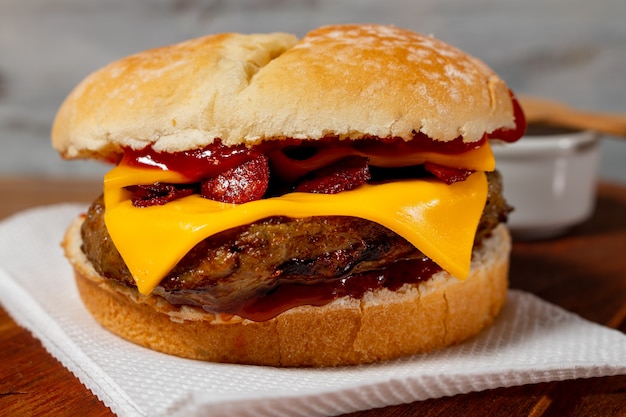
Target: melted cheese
{"type": "Point", "coordinates": [438, 219]}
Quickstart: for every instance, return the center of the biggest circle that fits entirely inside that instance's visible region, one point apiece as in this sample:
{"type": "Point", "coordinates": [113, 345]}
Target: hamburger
{"type": "Point", "coordinates": [323, 201]}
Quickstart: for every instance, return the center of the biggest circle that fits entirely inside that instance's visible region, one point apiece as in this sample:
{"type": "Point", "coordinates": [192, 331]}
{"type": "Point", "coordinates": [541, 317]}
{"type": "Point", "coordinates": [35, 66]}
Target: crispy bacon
{"type": "Point", "coordinates": [343, 175]}
{"type": "Point", "coordinates": [244, 183]}
{"type": "Point", "coordinates": [447, 174]}
{"type": "Point", "coordinates": [158, 193]}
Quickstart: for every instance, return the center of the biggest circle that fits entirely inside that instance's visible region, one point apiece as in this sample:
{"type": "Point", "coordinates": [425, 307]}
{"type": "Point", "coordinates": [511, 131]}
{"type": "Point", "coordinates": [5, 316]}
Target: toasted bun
{"type": "Point", "coordinates": [383, 325]}
{"type": "Point", "coordinates": [348, 81]}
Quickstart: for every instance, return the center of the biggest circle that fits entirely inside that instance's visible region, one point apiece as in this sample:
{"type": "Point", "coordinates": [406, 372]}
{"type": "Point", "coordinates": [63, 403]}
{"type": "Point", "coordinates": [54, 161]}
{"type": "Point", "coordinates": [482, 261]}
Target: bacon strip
{"type": "Point", "coordinates": [244, 183]}
{"type": "Point", "coordinates": [447, 174]}
{"type": "Point", "coordinates": [158, 193]}
{"type": "Point", "coordinates": [345, 174]}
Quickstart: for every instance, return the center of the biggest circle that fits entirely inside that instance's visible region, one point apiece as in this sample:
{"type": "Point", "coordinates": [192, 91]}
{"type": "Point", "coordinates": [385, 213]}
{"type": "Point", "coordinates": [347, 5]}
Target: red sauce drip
{"type": "Point", "coordinates": [288, 295]}
{"type": "Point", "coordinates": [195, 164]}
{"type": "Point", "coordinates": [512, 135]}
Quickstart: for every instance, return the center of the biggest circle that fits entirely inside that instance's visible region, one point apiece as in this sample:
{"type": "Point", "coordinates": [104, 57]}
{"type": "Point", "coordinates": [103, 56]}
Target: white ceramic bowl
{"type": "Point", "coordinates": [549, 177]}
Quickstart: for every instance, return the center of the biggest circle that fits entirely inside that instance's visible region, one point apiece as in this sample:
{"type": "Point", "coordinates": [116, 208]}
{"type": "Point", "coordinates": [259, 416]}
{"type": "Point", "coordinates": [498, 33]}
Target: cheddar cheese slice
{"type": "Point", "coordinates": [438, 219]}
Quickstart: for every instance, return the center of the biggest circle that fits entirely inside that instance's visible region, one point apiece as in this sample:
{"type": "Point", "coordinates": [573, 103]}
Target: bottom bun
{"type": "Point", "coordinates": [384, 324]}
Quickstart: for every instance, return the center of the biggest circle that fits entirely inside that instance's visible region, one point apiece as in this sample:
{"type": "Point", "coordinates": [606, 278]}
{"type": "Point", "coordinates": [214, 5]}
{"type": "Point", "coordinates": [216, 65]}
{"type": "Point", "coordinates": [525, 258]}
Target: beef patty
{"type": "Point", "coordinates": [238, 264]}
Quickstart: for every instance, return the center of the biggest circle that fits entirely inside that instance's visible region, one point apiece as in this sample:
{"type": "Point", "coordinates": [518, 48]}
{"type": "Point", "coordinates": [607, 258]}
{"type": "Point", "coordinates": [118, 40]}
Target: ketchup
{"type": "Point", "coordinates": [195, 164]}
{"type": "Point", "coordinates": [288, 295]}
{"type": "Point", "coordinates": [514, 134]}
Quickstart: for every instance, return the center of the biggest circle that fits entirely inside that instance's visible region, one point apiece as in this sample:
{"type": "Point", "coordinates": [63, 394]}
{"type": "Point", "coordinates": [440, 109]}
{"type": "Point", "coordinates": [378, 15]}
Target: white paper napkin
{"type": "Point", "coordinates": [532, 341]}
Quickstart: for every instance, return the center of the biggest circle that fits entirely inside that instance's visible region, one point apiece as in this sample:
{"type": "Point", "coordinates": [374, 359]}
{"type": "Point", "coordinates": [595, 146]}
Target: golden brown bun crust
{"type": "Point", "coordinates": [383, 325]}
{"type": "Point", "coordinates": [348, 81]}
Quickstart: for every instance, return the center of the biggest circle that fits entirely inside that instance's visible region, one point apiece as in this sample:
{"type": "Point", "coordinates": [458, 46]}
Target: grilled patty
{"type": "Point", "coordinates": [246, 261]}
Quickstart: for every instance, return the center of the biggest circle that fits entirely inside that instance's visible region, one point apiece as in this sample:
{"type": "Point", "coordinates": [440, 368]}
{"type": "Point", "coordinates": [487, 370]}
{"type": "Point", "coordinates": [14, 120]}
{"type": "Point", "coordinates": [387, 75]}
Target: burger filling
{"type": "Point", "coordinates": [258, 270]}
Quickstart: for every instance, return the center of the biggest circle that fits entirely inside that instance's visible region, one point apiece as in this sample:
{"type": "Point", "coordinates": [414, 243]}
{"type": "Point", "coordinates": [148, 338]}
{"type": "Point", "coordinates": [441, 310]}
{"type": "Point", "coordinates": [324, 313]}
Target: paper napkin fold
{"type": "Point", "coordinates": [531, 341]}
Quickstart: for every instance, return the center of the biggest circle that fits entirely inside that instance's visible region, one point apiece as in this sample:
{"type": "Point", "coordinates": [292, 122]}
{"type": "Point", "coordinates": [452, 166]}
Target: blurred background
{"type": "Point", "coordinates": [569, 50]}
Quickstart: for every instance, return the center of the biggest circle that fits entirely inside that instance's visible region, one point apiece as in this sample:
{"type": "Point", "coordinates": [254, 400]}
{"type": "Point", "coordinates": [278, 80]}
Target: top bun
{"type": "Point", "coordinates": [349, 81]}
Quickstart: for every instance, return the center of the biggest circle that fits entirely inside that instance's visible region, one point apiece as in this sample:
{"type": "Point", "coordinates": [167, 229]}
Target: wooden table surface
{"type": "Point", "coordinates": [584, 272]}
